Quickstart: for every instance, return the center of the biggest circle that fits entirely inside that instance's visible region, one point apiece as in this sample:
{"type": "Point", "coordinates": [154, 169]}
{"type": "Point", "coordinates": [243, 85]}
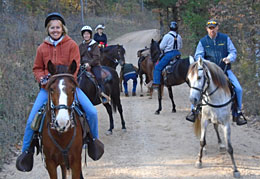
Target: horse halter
{"type": "Point", "coordinates": [53, 122]}
{"type": "Point", "coordinates": [203, 93]}
{"type": "Point", "coordinates": [53, 108]}
{"type": "Point", "coordinates": [206, 79]}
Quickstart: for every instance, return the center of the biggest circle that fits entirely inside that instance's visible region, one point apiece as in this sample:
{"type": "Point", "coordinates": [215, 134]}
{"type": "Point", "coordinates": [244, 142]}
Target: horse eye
{"type": "Point", "coordinates": [199, 77]}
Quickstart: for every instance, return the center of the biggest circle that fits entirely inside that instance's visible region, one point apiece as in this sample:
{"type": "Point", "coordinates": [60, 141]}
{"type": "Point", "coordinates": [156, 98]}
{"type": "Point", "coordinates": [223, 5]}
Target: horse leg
{"type": "Point", "coordinates": [159, 100]}
{"type": "Point", "coordinates": [111, 120]}
{"type": "Point", "coordinates": [204, 125]}
{"type": "Point", "coordinates": [76, 169]}
{"type": "Point", "coordinates": [227, 132]}
{"type": "Point", "coordinates": [171, 97]}
{"type": "Point", "coordinates": [222, 147]}
{"type": "Point", "coordinates": [51, 168]}
{"type": "Point", "coordinates": [63, 171]}
{"type": "Point", "coordinates": [120, 81]}
{"type": "Point", "coordinates": [141, 84]}
{"type": "Point", "coordinates": [81, 175]}
{"type": "Point", "coordinates": [120, 110]}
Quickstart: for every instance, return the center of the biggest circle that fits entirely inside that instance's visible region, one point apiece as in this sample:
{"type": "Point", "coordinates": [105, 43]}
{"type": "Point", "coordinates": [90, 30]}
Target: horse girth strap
{"type": "Point", "coordinates": [66, 150]}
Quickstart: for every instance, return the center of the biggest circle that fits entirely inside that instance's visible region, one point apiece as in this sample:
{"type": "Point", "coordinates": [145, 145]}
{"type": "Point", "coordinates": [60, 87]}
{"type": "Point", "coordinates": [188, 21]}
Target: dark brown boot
{"type": "Point", "coordinates": [240, 119]}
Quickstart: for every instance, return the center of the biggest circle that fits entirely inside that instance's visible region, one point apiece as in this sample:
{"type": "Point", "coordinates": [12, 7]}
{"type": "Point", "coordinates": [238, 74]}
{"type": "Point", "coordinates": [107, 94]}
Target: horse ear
{"type": "Point", "coordinates": [152, 40]}
{"type": "Point", "coordinates": [200, 61]}
{"type": "Point", "coordinates": [51, 68]}
{"type": "Point", "coordinates": [73, 67]}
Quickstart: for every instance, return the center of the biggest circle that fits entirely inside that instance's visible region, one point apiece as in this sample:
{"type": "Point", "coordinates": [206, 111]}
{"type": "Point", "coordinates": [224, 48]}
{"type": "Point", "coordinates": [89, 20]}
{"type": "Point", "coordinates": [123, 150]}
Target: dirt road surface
{"type": "Point", "coordinates": [158, 146]}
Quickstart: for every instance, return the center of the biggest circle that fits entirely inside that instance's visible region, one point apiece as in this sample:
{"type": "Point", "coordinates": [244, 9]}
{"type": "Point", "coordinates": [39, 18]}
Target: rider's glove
{"type": "Point", "coordinates": [44, 80]}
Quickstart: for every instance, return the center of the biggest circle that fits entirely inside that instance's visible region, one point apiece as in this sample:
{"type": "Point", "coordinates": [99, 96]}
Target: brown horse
{"type": "Point", "coordinates": [62, 132]}
{"type": "Point", "coordinates": [146, 67]}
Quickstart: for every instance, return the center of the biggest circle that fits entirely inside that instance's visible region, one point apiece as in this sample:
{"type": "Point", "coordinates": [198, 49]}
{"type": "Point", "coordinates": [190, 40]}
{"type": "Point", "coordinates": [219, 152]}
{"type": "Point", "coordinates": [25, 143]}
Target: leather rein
{"type": "Point", "coordinates": [204, 96]}
{"type": "Point", "coordinates": [51, 125]}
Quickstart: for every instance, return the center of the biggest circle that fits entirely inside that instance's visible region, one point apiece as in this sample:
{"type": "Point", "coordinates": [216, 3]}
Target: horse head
{"type": "Point", "coordinates": [155, 51]}
{"type": "Point", "coordinates": [120, 54]}
{"type": "Point", "coordinates": [205, 78]}
{"type": "Point", "coordinates": [61, 91]}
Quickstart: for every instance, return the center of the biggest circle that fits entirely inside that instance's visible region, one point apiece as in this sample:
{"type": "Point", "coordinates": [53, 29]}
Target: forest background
{"type": "Point", "coordinates": [22, 30]}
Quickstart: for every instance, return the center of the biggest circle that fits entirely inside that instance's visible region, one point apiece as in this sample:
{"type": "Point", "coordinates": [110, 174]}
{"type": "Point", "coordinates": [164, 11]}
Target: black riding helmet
{"type": "Point", "coordinates": [173, 26]}
{"type": "Point", "coordinates": [54, 16]}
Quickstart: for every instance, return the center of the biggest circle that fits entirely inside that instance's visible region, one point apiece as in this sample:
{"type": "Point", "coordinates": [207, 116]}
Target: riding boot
{"type": "Point", "coordinates": [191, 116]}
{"type": "Point", "coordinates": [24, 162]}
{"type": "Point", "coordinates": [240, 119]}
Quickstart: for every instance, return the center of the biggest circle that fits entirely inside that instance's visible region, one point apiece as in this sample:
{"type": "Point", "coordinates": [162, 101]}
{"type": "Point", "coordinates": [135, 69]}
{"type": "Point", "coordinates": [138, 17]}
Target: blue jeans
{"type": "Point", "coordinates": [127, 77]}
{"type": "Point", "coordinates": [238, 89]}
{"type": "Point", "coordinates": [42, 97]}
{"type": "Point", "coordinates": [162, 63]}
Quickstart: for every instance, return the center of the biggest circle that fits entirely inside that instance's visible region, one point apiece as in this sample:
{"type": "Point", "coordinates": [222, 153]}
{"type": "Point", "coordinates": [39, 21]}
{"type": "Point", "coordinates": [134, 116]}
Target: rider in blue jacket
{"type": "Point", "coordinates": [170, 45]}
{"type": "Point", "coordinates": [219, 49]}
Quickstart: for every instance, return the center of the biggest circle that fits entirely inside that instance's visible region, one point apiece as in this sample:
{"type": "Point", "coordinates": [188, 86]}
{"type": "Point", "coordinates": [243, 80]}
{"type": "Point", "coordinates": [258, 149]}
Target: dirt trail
{"type": "Point", "coordinates": [158, 146]}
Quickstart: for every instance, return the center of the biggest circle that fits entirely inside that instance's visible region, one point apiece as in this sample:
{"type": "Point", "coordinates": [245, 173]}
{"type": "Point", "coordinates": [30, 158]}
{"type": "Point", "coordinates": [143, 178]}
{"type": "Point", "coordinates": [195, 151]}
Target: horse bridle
{"type": "Point", "coordinates": [203, 93]}
{"type": "Point", "coordinates": [51, 125]}
{"type": "Point", "coordinates": [116, 59]}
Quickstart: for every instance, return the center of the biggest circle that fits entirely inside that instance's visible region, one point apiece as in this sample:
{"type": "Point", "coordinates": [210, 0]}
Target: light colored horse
{"type": "Point", "coordinates": [209, 91]}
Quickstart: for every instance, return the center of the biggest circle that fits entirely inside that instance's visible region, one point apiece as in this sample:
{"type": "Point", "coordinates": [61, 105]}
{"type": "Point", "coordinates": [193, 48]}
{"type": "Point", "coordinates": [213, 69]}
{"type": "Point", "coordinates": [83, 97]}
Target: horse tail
{"type": "Point", "coordinates": [197, 126]}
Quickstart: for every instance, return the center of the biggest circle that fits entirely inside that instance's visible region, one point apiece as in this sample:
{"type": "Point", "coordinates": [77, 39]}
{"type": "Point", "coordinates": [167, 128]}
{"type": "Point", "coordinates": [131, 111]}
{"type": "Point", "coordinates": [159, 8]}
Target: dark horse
{"type": "Point", "coordinates": [146, 66]}
{"type": "Point", "coordinates": [177, 76]}
{"type": "Point", "coordinates": [62, 132]}
{"type": "Point", "coordinates": [89, 87]}
{"type": "Point", "coordinates": [112, 55]}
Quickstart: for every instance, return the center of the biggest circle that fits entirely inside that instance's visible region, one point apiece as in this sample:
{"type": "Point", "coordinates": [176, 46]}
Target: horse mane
{"type": "Point", "coordinates": [217, 74]}
{"type": "Point", "coordinates": [154, 51]}
{"type": "Point", "coordinates": [110, 47]}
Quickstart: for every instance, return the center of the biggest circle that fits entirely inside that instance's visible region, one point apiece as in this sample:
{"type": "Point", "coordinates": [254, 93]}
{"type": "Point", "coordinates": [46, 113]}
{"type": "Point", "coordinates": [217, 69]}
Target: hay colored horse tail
{"type": "Point", "coordinates": [197, 126]}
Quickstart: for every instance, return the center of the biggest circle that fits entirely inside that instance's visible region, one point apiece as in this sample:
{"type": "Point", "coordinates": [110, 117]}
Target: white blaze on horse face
{"type": "Point", "coordinates": [196, 81]}
{"type": "Point", "coordinates": [63, 117]}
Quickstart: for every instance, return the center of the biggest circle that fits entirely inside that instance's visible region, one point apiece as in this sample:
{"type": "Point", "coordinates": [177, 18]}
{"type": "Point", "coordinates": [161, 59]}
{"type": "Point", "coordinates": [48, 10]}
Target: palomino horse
{"type": "Point", "coordinates": [62, 132]}
{"type": "Point", "coordinates": [210, 92]}
{"type": "Point", "coordinates": [112, 55]}
{"type": "Point", "coordinates": [177, 77]}
{"type": "Point", "coordinates": [146, 67]}
{"type": "Point", "coordinates": [89, 87]}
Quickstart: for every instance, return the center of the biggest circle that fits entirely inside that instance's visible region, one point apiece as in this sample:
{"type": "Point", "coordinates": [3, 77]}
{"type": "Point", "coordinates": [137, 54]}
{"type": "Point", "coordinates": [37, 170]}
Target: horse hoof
{"type": "Point", "coordinates": [173, 110]}
{"type": "Point", "coordinates": [222, 148]}
{"type": "Point", "coordinates": [198, 164]}
{"type": "Point", "coordinates": [236, 174]}
{"type": "Point", "coordinates": [109, 133]}
{"type": "Point", "coordinates": [124, 130]}
{"type": "Point", "coordinates": [157, 112]}
{"type": "Point", "coordinates": [150, 97]}
{"type": "Point", "coordinates": [141, 95]}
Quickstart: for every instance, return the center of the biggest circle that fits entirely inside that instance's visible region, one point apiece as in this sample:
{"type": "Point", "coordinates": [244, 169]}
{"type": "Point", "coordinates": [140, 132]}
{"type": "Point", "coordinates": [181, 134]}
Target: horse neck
{"type": "Point", "coordinates": [220, 95]}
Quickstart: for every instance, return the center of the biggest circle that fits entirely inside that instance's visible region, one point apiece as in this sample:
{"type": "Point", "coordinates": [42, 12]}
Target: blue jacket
{"type": "Point", "coordinates": [216, 49]}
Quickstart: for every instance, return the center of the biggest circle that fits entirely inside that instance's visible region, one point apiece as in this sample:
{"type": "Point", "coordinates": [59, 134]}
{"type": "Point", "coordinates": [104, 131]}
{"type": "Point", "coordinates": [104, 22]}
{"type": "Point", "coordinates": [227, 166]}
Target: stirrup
{"type": "Point", "coordinates": [240, 119]}
{"type": "Point", "coordinates": [24, 162]}
{"type": "Point", "coordinates": [191, 116]}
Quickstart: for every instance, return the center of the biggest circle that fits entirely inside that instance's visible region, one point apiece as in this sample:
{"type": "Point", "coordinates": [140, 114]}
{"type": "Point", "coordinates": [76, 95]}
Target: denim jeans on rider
{"type": "Point", "coordinates": [127, 77]}
{"type": "Point", "coordinates": [238, 89]}
{"type": "Point", "coordinates": [89, 109]}
{"type": "Point", "coordinates": [162, 63]}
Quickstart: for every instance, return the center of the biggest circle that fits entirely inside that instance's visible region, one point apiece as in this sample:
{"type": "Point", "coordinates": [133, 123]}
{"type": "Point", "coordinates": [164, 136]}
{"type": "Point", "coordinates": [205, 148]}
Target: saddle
{"type": "Point", "coordinates": [106, 76]}
{"type": "Point", "coordinates": [25, 161]}
{"type": "Point", "coordinates": [170, 69]}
